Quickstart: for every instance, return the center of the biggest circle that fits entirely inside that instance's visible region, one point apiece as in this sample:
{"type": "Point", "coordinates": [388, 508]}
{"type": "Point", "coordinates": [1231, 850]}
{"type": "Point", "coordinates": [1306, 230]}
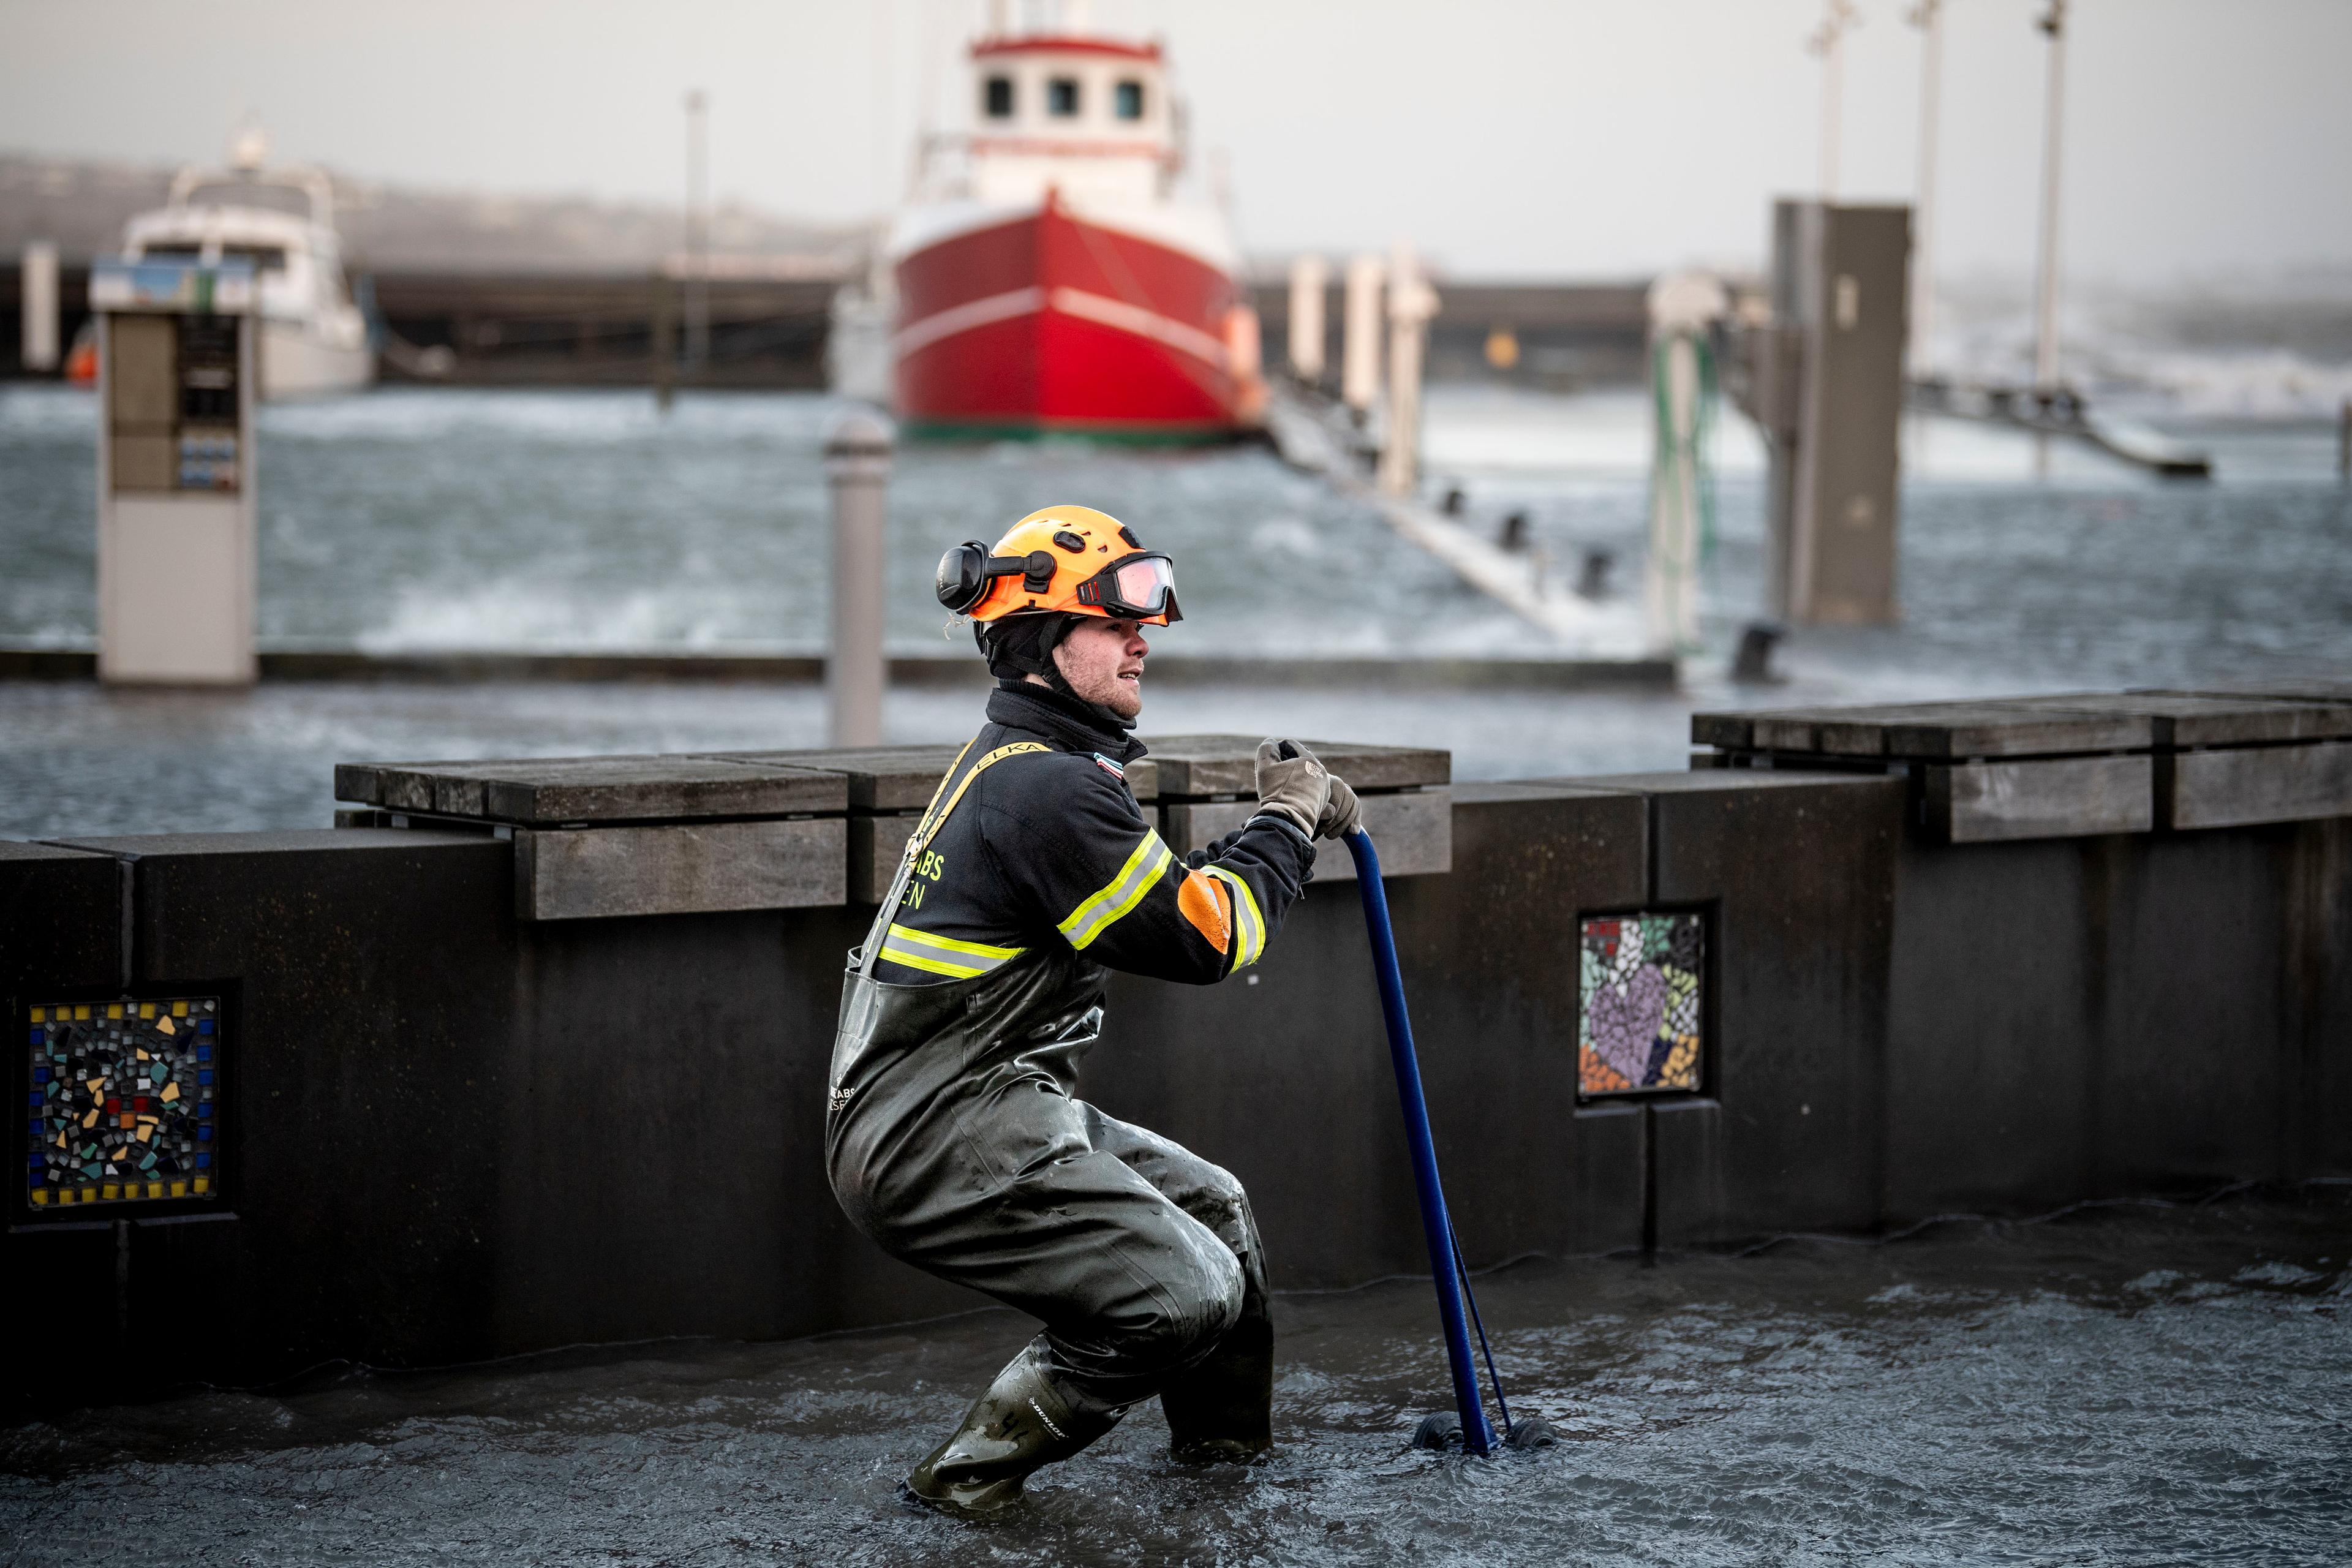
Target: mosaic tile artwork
{"type": "Point", "coordinates": [124, 1095]}
{"type": "Point", "coordinates": [1638, 1028]}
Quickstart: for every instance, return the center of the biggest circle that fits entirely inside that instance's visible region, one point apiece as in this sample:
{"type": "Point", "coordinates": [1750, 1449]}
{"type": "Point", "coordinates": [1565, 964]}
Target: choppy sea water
{"type": "Point", "coordinates": [421, 519]}
{"type": "Point", "coordinates": [2132, 1384]}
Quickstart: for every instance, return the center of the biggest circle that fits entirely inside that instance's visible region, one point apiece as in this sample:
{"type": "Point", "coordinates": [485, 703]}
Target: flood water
{"type": "Point", "coordinates": [2130, 1384]}
{"type": "Point", "coordinates": [421, 519]}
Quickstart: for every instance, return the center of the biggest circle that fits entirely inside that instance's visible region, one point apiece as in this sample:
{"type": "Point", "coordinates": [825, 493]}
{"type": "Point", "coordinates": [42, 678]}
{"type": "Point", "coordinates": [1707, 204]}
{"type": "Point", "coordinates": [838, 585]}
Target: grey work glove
{"type": "Point", "coordinates": [1342, 813]}
{"type": "Point", "coordinates": [1292, 783]}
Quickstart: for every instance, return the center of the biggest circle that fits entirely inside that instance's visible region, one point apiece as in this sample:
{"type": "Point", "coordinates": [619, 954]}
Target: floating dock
{"type": "Point", "coordinates": [2060, 414]}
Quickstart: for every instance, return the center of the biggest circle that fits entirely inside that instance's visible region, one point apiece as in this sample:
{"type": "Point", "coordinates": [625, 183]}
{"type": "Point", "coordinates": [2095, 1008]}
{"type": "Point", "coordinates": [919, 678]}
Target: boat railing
{"type": "Point", "coordinates": [314, 184]}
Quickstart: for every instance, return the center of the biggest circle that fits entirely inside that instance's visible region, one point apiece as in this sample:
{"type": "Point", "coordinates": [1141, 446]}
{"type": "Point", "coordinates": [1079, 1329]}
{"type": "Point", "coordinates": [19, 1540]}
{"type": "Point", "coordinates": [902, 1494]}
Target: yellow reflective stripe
{"type": "Point", "coordinates": [1123, 892]}
{"type": "Point", "coordinates": [922, 950]}
{"type": "Point", "coordinates": [892, 953]}
{"type": "Point", "coordinates": [1248, 921]}
{"type": "Point", "coordinates": [954, 944]}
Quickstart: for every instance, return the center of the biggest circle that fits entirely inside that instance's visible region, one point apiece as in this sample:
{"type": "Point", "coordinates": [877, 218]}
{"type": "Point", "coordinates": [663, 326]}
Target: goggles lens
{"type": "Point", "coordinates": [1143, 585]}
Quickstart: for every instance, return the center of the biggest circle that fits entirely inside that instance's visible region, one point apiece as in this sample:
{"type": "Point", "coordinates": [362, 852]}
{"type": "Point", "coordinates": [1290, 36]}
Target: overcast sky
{"type": "Point", "coordinates": [2204, 138]}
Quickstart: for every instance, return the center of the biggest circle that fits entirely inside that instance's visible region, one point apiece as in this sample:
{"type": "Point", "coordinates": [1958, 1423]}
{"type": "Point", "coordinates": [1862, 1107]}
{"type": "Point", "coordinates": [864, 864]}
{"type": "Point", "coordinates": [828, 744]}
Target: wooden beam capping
{"type": "Point", "coordinates": [676, 868]}
{"type": "Point", "coordinates": [1413, 830]}
{"type": "Point", "coordinates": [1996, 728]}
{"type": "Point", "coordinates": [2241, 787]}
{"type": "Point", "coordinates": [1200, 765]}
{"type": "Point", "coordinates": [649, 788]}
{"type": "Point", "coordinates": [878, 778]}
{"type": "Point", "coordinates": [2053, 797]}
{"type": "Point", "coordinates": [2183, 718]}
{"type": "Point", "coordinates": [547, 790]}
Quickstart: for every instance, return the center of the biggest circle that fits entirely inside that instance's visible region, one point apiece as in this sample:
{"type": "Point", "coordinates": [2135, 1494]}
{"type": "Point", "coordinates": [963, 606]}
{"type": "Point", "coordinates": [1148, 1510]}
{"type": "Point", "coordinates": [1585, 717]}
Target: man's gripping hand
{"type": "Point", "coordinates": [1342, 813]}
{"type": "Point", "coordinates": [1293, 784]}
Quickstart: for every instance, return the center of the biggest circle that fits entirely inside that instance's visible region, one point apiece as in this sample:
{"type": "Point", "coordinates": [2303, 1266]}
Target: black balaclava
{"type": "Point", "coordinates": [1019, 646]}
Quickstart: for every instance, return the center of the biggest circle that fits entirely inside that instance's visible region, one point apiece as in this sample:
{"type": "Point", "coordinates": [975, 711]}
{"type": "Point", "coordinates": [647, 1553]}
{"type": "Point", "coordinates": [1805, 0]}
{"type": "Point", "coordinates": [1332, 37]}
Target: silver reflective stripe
{"type": "Point", "coordinates": [947, 955]}
{"type": "Point", "coordinates": [1122, 893]}
{"type": "Point", "coordinates": [1249, 924]}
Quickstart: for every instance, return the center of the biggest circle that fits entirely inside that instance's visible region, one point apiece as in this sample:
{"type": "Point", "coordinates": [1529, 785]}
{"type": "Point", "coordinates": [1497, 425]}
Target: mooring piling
{"type": "Point", "coordinates": [857, 472]}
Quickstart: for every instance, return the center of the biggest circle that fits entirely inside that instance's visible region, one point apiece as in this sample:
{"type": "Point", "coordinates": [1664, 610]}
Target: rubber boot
{"type": "Point", "coordinates": [1219, 1410]}
{"type": "Point", "coordinates": [1022, 1423]}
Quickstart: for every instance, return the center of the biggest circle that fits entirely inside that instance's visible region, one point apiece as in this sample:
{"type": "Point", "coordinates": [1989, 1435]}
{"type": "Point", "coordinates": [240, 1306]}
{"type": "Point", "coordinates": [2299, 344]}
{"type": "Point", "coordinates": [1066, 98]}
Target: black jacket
{"type": "Point", "coordinates": [1049, 847]}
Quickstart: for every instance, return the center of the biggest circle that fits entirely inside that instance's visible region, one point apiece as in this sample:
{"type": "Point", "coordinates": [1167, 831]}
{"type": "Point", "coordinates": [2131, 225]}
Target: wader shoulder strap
{"type": "Point", "coordinates": [935, 816]}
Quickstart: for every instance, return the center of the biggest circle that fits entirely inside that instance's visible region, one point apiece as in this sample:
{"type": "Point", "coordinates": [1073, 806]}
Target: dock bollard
{"type": "Point", "coordinates": [1308, 276]}
{"type": "Point", "coordinates": [39, 305]}
{"type": "Point", "coordinates": [1360, 335]}
{"type": "Point", "coordinates": [1411, 303]}
{"type": "Point", "coordinates": [857, 469]}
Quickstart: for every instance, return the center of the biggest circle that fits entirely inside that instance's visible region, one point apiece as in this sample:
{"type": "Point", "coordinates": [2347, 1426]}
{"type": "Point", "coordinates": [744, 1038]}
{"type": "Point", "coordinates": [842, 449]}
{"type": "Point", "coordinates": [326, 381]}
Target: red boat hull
{"type": "Point", "coordinates": [1047, 322]}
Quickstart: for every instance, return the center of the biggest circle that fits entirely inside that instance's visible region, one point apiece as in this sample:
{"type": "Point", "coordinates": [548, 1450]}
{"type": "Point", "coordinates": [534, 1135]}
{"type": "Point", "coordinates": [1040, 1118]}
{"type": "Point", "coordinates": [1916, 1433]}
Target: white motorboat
{"type": "Point", "coordinates": [313, 339]}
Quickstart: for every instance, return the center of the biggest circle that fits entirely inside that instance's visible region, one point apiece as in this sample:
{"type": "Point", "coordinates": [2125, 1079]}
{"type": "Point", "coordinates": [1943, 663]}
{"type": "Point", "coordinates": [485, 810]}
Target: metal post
{"type": "Point", "coordinates": [665, 341]}
{"type": "Point", "coordinates": [1360, 342]}
{"type": "Point", "coordinates": [857, 468]}
{"type": "Point", "coordinates": [1829, 42]}
{"type": "Point", "coordinates": [1683, 305]}
{"type": "Point", "coordinates": [1307, 278]}
{"type": "Point", "coordinates": [697, 229]}
{"type": "Point", "coordinates": [2045, 312]}
{"type": "Point", "coordinates": [1928, 16]}
{"type": "Point", "coordinates": [39, 335]}
{"type": "Point", "coordinates": [1412, 302]}
{"type": "Point", "coordinates": [2344, 443]}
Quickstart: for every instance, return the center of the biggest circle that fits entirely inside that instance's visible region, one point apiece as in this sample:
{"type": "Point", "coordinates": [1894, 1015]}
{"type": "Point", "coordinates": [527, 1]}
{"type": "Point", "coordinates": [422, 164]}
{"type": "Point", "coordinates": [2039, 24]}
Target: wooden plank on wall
{"type": "Point", "coordinates": [2236, 789]}
{"type": "Point", "coordinates": [1197, 765]}
{"type": "Point", "coordinates": [2058, 797]}
{"type": "Point", "coordinates": [680, 868]}
{"type": "Point", "coordinates": [1414, 832]}
{"type": "Point", "coordinates": [876, 845]}
{"type": "Point", "coordinates": [608, 789]}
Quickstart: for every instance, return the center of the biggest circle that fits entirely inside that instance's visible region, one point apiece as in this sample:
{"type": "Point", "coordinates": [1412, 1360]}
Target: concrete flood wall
{"type": "Point", "coordinates": [449, 1131]}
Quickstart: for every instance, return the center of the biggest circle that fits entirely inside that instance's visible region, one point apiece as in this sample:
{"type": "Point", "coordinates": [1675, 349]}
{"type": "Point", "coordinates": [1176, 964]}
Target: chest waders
{"type": "Point", "coordinates": [954, 1139]}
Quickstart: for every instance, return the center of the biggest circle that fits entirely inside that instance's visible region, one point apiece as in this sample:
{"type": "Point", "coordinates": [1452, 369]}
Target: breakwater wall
{"type": "Point", "coordinates": [533, 1054]}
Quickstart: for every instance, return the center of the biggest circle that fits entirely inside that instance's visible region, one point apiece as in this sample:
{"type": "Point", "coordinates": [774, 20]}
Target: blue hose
{"type": "Point", "coordinates": [1477, 1436]}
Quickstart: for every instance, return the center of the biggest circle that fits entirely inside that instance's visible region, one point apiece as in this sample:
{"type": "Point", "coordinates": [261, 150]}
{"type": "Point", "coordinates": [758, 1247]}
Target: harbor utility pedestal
{"type": "Point", "coordinates": [176, 472]}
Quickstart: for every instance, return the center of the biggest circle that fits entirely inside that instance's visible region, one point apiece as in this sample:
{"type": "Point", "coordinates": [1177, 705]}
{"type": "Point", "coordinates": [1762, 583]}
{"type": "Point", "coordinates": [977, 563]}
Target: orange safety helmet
{"type": "Point", "coordinates": [1063, 560]}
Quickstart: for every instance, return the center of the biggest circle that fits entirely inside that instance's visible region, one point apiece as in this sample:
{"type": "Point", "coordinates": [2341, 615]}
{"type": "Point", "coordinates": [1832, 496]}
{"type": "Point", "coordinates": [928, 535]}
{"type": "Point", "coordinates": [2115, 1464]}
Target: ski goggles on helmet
{"type": "Point", "coordinates": [1141, 585]}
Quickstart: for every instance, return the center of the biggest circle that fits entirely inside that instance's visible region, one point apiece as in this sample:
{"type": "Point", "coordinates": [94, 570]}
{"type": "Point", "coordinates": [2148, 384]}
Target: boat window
{"type": "Point", "coordinates": [1129, 101]}
{"type": "Point", "coordinates": [265, 258]}
{"type": "Point", "coordinates": [996, 98]}
{"type": "Point", "coordinates": [172, 249]}
{"type": "Point", "coordinates": [1061, 96]}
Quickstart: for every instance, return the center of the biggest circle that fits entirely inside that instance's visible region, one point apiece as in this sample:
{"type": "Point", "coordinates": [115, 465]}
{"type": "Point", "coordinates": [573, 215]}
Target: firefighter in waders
{"type": "Point", "coordinates": [952, 1135]}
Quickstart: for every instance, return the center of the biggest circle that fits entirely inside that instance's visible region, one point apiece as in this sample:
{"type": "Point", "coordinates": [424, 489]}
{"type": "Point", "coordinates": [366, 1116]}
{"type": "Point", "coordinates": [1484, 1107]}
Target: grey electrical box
{"type": "Point", "coordinates": [175, 471]}
{"type": "Point", "coordinates": [1825, 378]}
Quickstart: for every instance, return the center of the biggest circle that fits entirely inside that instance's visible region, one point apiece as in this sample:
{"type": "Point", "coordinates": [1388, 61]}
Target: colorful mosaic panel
{"type": "Point", "coordinates": [123, 1101]}
{"type": "Point", "coordinates": [1638, 1028]}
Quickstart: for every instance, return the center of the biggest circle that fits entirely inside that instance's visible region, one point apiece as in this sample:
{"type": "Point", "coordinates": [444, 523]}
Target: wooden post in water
{"type": "Point", "coordinates": [1360, 342]}
{"type": "Point", "coordinates": [1412, 302]}
{"type": "Point", "coordinates": [858, 468]}
{"type": "Point", "coordinates": [1307, 278]}
{"type": "Point", "coordinates": [2344, 443]}
{"type": "Point", "coordinates": [39, 308]}
{"type": "Point", "coordinates": [664, 345]}
{"type": "Point", "coordinates": [697, 230]}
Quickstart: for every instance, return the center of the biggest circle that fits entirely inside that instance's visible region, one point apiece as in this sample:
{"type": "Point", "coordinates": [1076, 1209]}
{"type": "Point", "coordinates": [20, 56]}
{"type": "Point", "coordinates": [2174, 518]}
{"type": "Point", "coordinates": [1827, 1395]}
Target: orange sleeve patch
{"type": "Point", "coordinates": [1203, 900]}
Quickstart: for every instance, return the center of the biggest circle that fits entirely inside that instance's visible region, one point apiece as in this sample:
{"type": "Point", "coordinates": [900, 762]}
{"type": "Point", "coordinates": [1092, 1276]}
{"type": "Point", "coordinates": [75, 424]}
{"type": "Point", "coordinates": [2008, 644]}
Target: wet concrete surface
{"type": "Point", "coordinates": [2136, 1383]}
